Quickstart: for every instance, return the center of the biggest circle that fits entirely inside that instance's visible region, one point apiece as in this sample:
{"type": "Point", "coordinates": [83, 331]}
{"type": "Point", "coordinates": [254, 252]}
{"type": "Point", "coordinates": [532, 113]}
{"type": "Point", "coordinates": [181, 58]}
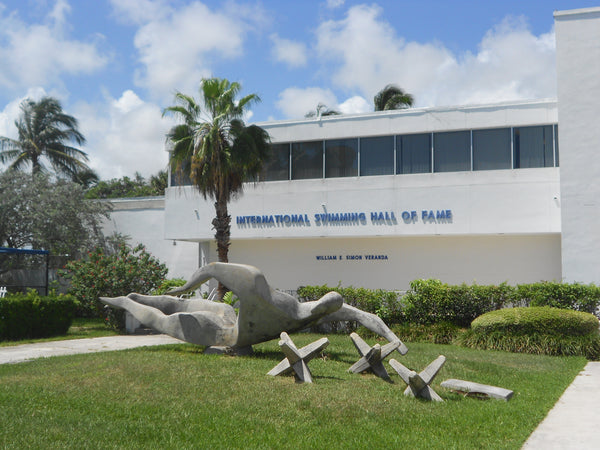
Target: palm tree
{"type": "Point", "coordinates": [392, 97]}
{"type": "Point", "coordinates": [44, 133]}
{"type": "Point", "coordinates": [322, 111]}
{"type": "Point", "coordinates": [221, 151]}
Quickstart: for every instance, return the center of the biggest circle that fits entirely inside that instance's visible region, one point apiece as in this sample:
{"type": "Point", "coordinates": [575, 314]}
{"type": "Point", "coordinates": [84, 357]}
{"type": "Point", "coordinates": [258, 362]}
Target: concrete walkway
{"type": "Point", "coordinates": [27, 352]}
{"type": "Point", "coordinates": [573, 423]}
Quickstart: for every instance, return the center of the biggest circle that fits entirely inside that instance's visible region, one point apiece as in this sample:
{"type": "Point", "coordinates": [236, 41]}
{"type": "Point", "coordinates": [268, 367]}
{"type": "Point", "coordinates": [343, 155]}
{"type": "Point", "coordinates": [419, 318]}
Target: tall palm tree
{"type": "Point", "coordinates": [392, 97]}
{"type": "Point", "coordinates": [221, 151]}
{"type": "Point", "coordinates": [44, 134]}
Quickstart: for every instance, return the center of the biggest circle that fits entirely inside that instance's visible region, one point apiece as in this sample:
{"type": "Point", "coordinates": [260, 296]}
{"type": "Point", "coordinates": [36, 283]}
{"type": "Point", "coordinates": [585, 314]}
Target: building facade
{"type": "Point", "coordinates": [482, 193]}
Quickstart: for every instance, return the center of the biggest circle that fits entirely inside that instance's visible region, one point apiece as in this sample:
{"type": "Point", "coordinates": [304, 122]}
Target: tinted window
{"type": "Point", "coordinates": [413, 153]}
{"type": "Point", "coordinates": [377, 155]}
{"type": "Point", "coordinates": [491, 149]}
{"type": "Point", "coordinates": [452, 151]}
{"type": "Point", "coordinates": [278, 166]}
{"type": "Point", "coordinates": [341, 158]}
{"type": "Point", "coordinates": [533, 147]}
{"type": "Point", "coordinates": [307, 160]}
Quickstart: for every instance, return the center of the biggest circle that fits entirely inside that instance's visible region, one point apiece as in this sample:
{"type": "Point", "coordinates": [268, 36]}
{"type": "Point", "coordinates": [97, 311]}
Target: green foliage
{"type": "Point", "coordinates": [577, 296]}
{"type": "Point", "coordinates": [167, 285]}
{"type": "Point", "coordinates": [126, 187]}
{"type": "Point", "coordinates": [32, 316]}
{"type": "Point", "coordinates": [431, 301]}
{"type": "Point", "coordinates": [112, 275]}
{"type": "Point", "coordinates": [376, 301]}
{"type": "Point", "coordinates": [537, 330]}
{"type": "Point", "coordinates": [546, 320]}
{"type": "Point", "coordinates": [437, 333]}
{"type": "Point", "coordinates": [40, 213]}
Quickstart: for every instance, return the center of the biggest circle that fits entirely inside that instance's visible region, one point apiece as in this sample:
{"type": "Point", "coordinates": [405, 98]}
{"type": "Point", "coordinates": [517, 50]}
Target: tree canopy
{"type": "Point", "coordinates": [39, 213]}
{"type": "Point", "coordinates": [392, 97]}
{"type": "Point", "coordinates": [220, 150]}
{"type": "Point", "coordinates": [44, 136]}
{"type": "Point", "coordinates": [126, 187]}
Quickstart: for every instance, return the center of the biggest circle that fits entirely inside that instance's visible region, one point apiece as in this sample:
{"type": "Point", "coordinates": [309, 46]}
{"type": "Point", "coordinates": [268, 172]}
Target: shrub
{"type": "Point", "coordinates": [437, 333]}
{"type": "Point", "coordinates": [576, 296]}
{"type": "Point", "coordinates": [32, 316]}
{"type": "Point", "coordinates": [431, 301]}
{"type": "Point", "coordinates": [112, 275]}
{"type": "Point", "coordinates": [538, 330]}
{"type": "Point", "coordinates": [167, 285]}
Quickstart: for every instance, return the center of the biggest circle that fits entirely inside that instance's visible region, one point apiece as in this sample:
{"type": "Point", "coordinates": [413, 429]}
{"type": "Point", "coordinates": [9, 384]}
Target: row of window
{"type": "Point", "coordinates": [466, 150]}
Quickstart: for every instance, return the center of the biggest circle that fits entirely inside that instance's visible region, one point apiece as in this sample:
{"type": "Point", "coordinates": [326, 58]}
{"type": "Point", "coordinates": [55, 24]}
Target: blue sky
{"type": "Point", "coordinates": [115, 64]}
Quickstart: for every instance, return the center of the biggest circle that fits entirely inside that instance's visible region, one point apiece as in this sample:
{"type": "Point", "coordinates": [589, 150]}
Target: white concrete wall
{"type": "Point", "coordinates": [522, 201]}
{"type": "Point", "coordinates": [143, 219]}
{"type": "Point", "coordinates": [290, 263]}
{"type": "Point", "coordinates": [578, 66]}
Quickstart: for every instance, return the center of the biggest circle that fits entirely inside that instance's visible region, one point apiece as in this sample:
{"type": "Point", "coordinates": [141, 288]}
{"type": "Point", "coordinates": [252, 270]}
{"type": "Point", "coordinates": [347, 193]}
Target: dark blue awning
{"type": "Point", "coordinates": [23, 251]}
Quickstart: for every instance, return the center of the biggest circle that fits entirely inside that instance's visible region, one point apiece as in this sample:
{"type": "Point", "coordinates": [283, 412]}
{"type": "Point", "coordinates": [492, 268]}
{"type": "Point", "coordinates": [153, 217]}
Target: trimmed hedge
{"type": "Point", "coordinates": [29, 315]}
{"type": "Point", "coordinates": [537, 330]}
{"type": "Point", "coordinates": [385, 304]}
{"type": "Point", "coordinates": [545, 320]}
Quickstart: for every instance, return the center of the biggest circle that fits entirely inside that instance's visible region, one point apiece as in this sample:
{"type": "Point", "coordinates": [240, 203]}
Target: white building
{"type": "Point", "coordinates": [481, 193]}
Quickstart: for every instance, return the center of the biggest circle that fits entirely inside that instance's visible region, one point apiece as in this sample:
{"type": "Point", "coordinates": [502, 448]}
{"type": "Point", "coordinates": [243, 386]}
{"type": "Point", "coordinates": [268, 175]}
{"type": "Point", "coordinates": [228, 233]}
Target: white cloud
{"type": "Point", "coordinates": [333, 4]}
{"type": "Point", "coordinates": [355, 105]}
{"type": "Point", "coordinates": [291, 53]}
{"type": "Point", "coordinates": [296, 102]}
{"type": "Point", "coordinates": [140, 11]}
{"type": "Point", "coordinates": [363, 53]}
{"type": "Point", "coordinates": [124, 135]}
{"type": "Point", "coordinates": [39, 54]}
{"type": "Point", "coordinates": [178, 47]}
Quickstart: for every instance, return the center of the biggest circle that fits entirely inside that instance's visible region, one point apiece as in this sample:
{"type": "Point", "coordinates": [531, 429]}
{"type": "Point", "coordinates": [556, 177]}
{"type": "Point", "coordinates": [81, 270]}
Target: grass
{"type": "Point", "coordinates": [174, 396]}
{"type": "Point", "coordinates": [80, 328]}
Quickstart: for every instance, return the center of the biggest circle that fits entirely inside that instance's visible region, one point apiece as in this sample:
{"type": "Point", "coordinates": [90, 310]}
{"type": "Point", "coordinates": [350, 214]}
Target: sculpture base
{"type": "Point", "coordinates": [233, 351]}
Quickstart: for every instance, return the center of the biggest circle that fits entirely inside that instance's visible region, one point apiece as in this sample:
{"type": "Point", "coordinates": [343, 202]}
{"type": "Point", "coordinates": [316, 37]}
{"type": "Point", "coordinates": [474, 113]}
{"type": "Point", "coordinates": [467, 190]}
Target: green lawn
{"type": "Point", "coordinates": [175, 397]}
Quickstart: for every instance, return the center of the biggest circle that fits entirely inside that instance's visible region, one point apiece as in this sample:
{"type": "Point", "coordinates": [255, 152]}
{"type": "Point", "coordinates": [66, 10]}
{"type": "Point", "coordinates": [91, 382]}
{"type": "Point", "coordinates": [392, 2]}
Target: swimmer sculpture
{"type": "Point", "coordinates": [263, 311]}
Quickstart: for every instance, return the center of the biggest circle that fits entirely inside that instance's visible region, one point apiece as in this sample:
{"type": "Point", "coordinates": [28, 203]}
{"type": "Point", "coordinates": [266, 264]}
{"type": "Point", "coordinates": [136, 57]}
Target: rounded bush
{"type": "Point", "coordinates": [532, 320]}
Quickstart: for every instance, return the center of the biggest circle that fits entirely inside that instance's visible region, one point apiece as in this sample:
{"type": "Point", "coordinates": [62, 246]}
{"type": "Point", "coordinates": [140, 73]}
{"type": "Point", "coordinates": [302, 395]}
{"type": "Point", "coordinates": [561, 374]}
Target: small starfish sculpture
{"type": "Point", "coordinates": [372, 357]}
{"type": "Point", "coordinates": [296, 359]}
{"type": "Point", "coordinates": [418, 383]}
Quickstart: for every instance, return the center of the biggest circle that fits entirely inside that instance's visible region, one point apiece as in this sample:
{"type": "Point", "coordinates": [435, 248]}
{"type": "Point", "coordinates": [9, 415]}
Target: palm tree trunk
{"type": "Point", "coordinates": [222, 225]}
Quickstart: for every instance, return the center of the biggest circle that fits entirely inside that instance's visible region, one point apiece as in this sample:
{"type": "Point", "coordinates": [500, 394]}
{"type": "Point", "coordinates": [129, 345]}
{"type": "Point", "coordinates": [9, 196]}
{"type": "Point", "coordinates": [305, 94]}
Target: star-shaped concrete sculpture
{"type": "Point", "coordinates": [296, 359]}
{"type": "Point", "coordinates": [372, 357]}
{"type": "Point", "coordinates": [418, 383]}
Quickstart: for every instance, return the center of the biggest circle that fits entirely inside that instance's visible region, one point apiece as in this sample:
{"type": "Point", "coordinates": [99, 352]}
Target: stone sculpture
{"type": "Point", "coordinates": [372, 357]}
{"type": "Point", "coordinates": [472, 389]}
{"type": "Point", "coordinates": [418, 383]}
{"type": "Point", "coordinates": [296, 360]}
{"type": "Point", "coordinates": [263, 311]}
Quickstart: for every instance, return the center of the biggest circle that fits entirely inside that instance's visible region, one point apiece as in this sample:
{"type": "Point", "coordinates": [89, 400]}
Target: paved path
{"type": "Point", "coordinates": [573, 423]}
{"type": "Point", "coordinates": [27, 352]}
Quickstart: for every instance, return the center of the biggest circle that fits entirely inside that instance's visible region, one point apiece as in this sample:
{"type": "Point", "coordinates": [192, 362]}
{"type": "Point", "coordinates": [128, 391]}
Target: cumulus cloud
{"type": "Point", "coordinates": [40, 54]}
{"type": "Point", "coordinates": [364, 53]}
{"type": "Point", "coordinates": [291, 53]}
{"type": "Point", "coordinates": [355, 105]}
{"type": "Point", "coordinates": [178, 47]}
{"type": "Point", "coordinates": [124, 135]}
{"type": "Point", "coordinates": [296, 102]}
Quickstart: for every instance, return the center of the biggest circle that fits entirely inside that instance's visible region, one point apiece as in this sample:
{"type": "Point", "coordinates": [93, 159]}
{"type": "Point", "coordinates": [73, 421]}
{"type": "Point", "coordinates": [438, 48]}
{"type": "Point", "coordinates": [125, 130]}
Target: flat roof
{"type": "Point", "coordinates": [577, 12]}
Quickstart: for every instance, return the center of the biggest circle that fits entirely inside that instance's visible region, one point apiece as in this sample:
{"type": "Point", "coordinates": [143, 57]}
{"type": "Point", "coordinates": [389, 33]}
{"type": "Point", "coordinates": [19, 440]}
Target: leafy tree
{"type": "Point", "coordinates": [322, 111]}
{"type": "Point", "coordinates": [126, 187]}
{"type": "Point", "coordinates": [392, 97]}
{"type": "Point", "coordinates": [223, 151]}
{"type": "Point", "coordinates": [102, 274]}
{"type": "Point", "coordinates": [50, 215]}
{"type": "Point", "coordinates": [44, 134]}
